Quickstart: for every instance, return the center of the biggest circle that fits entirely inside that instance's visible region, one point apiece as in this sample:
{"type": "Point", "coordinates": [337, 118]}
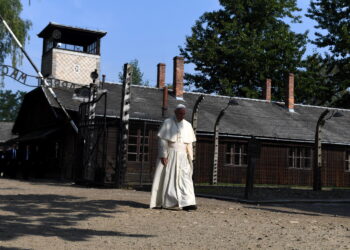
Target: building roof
{"type": "Point", "coordinates": [6, 131]}
{"type": "Point", "coordinates": [47, 31]}
{"type": "Point", "coordinates": [251, 117]}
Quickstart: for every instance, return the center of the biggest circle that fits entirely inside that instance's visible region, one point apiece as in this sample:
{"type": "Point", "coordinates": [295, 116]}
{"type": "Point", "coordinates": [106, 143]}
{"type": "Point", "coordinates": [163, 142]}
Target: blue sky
{"type": "Point", "coordinates": [148, 30]}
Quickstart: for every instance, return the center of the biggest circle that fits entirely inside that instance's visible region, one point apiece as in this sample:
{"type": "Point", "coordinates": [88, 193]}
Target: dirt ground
{"type": "Point", "coordinates": [48, 215]}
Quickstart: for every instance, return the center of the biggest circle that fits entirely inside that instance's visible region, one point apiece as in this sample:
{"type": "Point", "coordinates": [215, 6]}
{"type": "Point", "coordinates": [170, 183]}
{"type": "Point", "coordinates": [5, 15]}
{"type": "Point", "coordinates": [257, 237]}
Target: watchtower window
{"type": "Point", "coordinates": [48, 44]}
{"type": "Point", "coordinates": [92, 48]}
{"type": "Point", "coordinates": [58, 36]}
{"type": "Point", "coordinates": [70, 47]}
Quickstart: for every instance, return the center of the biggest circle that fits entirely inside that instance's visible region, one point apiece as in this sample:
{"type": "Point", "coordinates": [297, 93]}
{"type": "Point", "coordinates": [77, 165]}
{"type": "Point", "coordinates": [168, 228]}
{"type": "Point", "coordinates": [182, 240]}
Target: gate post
{"type": "Point", "coordinates": [123, 127]}
{"type": "Point", "coordinates": [194, 125]}
{"type": "Point", "coordinates": [214, 180]}
{"type": "Point", "coordinates": [89, 173]}
{"type": "Point", "coordinates": [253, 156]}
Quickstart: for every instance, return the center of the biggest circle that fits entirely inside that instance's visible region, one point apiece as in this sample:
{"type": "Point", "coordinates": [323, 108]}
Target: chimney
{"type": "Point", "coordinates": [178, 82]}
{"type": "Point", "coordinates": [160, 75]}
{"type": "Point", "coordinates": [267, 90]}
{"type": "Point", "coordinates": [165, 101]}
{"type": "Point", "coordinates": [290, 93]}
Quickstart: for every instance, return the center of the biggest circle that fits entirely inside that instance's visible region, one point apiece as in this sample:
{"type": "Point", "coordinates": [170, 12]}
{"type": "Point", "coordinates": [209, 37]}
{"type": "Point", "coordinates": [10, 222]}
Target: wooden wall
{"type": "Point", "coordinates": [272, 167]}
{"type": "Point", "coordinates": [139, 172]}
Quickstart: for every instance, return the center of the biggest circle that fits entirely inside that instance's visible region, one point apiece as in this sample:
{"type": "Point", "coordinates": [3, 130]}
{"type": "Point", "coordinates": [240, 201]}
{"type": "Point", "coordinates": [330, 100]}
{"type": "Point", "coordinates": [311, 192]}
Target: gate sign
{"type": "Point", "coordinates": [21, 77]}
{"type": "Point", "coordinates": [14, 73]}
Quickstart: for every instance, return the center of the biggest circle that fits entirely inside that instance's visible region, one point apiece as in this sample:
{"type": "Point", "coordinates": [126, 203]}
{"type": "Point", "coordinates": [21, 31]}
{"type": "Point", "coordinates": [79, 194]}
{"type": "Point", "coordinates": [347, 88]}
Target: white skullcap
{"type": "Point", "coordinates": [180, 106]}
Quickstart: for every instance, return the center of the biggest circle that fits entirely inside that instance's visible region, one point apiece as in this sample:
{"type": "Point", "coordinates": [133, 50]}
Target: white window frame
{"type": "Point", "coordinates": [298, 156]}
{"type": "Point", "coordinates": [242, 154]}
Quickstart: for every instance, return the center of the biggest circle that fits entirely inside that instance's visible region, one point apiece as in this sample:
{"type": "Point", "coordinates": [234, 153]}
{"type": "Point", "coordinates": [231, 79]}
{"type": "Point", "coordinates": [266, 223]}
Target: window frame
{"type": "Point", "coordinates": [139, 154]}
{"type": "Point", "coordinates": [299, 157]}
{"type": "Point", "coordinates": [242, 154]}
{"type": "Point", "coordinates": [347, 161]}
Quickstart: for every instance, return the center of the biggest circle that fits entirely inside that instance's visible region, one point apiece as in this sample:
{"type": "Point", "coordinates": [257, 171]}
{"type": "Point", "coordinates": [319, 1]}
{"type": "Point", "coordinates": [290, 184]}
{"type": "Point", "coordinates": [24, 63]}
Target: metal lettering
{"type": "Point", "coordinates": [64, 84]}
{"type": "Point", "coordinates": [22, 78]}
{"type": "Point", "coordinates": [4, 70]}
{"type": "Point", "coordinates": [56, 82]}
{"type": "Point", "coordinates": [39, 81]}
{"type": "Point", "coordinates": [70, 85]}
{"type": "Point", "coordinates": [49, 81]}
{"type": "Point", "coordinates": [14, 74]}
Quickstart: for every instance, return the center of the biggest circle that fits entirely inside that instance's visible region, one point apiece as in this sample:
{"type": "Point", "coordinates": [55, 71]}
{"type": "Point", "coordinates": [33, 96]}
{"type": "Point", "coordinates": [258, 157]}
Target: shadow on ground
{"type": "Point", "coordinates": [309, 209]}
{"type": "Point", "coordinates": [13, 248]}
{"type": "Point", "coordinates": [291, 200]}
{"type": "Point", "coordinates": [57, 215]}
{"type": "Point", "coordinates": [275, 193]}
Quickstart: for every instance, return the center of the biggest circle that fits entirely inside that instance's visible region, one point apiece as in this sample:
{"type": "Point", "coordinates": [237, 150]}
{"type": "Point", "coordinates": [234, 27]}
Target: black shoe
{"type": "Point", "coordinates": [157, 208]}
{"type": "Point", "coordinates": [191, 207]}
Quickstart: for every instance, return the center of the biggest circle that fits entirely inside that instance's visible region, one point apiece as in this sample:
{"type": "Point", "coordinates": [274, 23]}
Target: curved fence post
{"type": "Point", "coordinates": [124, 126]}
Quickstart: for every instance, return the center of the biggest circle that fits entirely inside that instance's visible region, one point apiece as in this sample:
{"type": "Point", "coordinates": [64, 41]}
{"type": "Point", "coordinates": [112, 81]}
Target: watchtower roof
{"type": "Point", "coordinates": [72, 35]}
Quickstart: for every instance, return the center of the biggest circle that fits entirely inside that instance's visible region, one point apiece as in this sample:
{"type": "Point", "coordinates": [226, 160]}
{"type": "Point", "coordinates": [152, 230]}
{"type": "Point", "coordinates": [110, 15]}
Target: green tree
{"type": "Point", "coordinates": [332, 16]}
{"type": "Point", "coordinates": [9, 104]}
{"type": "Point", "coordinates": [313, 81]}
{"type": "Point", "coordinates": [236, 48]}
{"type": "Point", "coordinates": [10, 10]}
{"type": "Point", "coordinates": [137, 75]}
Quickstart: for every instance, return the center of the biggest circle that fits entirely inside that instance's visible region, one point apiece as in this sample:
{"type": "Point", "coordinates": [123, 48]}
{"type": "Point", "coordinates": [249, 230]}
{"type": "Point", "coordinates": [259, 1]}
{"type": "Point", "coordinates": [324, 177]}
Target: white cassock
{"type": "Point", "coordinates": [172, 184]}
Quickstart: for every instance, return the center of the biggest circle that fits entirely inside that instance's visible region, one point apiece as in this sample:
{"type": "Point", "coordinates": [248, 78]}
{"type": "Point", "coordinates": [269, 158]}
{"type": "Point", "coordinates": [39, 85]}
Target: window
{"type": "Point", "coordinates": [300, 157]}
{"type": "Point", "coordinates": [92, 48]}
{"type": "Point", "coordinates": [48, 44]}
{"type": "Point", "coordinates": [72, 47]}
{"type": "Point", "coordinates": [138, 145]}
{"type": "Point", "coordinates": [236, 155]}
{"type": "Point", "coordinates": [347, 161]}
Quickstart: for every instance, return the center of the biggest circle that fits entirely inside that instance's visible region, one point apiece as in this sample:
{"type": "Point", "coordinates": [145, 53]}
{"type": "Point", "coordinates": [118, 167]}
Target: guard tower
{"type": "Point", "coordinates": [70, 53]}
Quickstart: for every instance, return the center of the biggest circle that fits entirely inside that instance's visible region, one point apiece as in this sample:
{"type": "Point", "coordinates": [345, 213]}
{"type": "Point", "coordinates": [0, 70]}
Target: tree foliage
{"type": "Point", "coordinates": [332, 16]}
{"type": "Point", "coordinates": [9, 104]}
{"type": "Point", "coordinates": [10, 10]}
{"type": "Point", "coordinates": [137, 75]}
{"type": "Point", "coordinates": [314, 84]}
{"type": "Point", "coordinates": [237, 47]}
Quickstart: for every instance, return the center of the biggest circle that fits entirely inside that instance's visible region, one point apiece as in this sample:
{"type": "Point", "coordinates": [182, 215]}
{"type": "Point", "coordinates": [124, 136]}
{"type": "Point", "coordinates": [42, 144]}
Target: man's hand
{"type": "Point", "coordinates": [164, 161]}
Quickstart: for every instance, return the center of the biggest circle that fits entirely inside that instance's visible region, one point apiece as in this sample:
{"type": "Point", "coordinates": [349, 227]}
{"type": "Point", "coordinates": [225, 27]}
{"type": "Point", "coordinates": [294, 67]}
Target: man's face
{"type": "Point", "coordinates": [180, 114]}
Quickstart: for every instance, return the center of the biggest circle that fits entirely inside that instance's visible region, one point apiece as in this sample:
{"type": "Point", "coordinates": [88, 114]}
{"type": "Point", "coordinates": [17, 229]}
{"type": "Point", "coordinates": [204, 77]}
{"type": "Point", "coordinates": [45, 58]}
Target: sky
{"type": "Point", "coordinates": [150, 31]}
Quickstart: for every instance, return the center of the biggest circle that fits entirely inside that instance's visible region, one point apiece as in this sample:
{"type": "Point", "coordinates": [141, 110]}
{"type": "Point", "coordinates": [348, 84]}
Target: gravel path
{"type": "Point", "coordinates": [38, 215]}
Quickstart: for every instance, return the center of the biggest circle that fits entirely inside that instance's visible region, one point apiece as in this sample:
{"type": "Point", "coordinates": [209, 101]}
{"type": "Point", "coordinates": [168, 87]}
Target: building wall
{"type": "Point", "coordinates": [272, 166]}
{"type": "Point", "coordinates": [47, 64]}
{"type": "Point", "coordinates": [333, 172]}
{"type": "Point", "coordinates": [68, 160]}
{"type": "Point", "coordinates": [70, 66]}
{"type": "Point", "coordinates": [141, 172]}
{"type": "Point", "coordinates": [202, 171]}
{"type": "Point", "coordinates": [111, 154]}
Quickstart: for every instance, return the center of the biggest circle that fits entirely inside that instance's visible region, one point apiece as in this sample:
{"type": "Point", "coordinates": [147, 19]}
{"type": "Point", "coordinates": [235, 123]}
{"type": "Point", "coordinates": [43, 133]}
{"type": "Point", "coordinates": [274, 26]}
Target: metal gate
{"type": "Point", "coordinates": [92, 140]}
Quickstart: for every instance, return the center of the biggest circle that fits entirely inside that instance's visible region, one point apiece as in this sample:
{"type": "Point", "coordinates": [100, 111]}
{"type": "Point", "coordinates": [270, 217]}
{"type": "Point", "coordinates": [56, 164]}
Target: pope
{"type": "Point", "coordinates": [172, 183]}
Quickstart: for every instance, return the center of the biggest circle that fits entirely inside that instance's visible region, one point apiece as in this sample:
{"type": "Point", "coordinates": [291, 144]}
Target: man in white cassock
{"type": "Point", "coordinates": [172, 184]}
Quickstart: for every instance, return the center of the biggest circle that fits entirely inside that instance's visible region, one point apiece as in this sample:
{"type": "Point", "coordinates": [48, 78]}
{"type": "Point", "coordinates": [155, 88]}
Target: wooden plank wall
{"type": "Point", "coordinates": [136, 173]}
{"type": "Point", "coordinates": [271, 168]}
{"type": "Point", "coordinates": [333, 172]}
{"type": "Point", "coordinates": [203, 166]}
{"type": "Point", "coordinates": [111, 154]}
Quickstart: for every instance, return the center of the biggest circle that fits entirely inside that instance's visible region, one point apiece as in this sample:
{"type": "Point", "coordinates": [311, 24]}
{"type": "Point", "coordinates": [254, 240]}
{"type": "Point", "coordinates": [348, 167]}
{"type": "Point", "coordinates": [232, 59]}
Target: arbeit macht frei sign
{"type": "Point", "coordinates": [35, 81]}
